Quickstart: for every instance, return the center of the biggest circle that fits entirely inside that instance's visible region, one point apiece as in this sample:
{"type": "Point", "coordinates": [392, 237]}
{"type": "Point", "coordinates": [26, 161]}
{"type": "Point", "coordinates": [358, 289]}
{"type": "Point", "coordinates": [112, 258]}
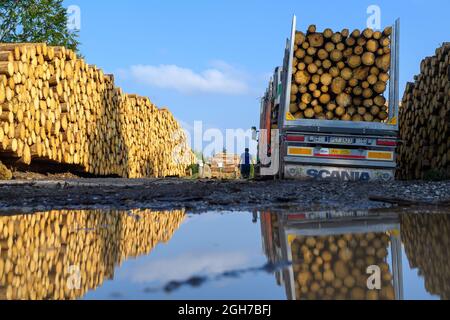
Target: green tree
{"type": "Point", "coordinates": [36, 21]}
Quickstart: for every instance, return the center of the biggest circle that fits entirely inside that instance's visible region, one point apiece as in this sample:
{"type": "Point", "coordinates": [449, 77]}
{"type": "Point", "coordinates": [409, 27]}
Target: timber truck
{"type": "Point", "coordinates": [320, 149]}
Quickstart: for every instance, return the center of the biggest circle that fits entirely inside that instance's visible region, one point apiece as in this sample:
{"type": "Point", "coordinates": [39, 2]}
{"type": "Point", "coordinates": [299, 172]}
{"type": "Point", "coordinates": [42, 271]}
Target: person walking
{"type": "Point", "coordinates": [245, 164]}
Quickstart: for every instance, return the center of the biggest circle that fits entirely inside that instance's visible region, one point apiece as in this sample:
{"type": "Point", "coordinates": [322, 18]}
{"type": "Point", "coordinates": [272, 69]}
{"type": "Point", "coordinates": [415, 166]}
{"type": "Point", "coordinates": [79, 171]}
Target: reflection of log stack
{"type": "Point", "coordinates": [341, 75]}
{"type": "Point", "coordinates": [334, 267]}
{"type": "Point", "coordinates": [275, 219]}
{"type": "Point", "coordinates": [37, 251]}
{"type": "Point", "coordinates": [425, 120]}
{"type": "Point", "coordinates": [56, 108]}
{"type": "Point", "coordinates": [426, 238]}
{"type": "Point", "coordinates": [225, 166]}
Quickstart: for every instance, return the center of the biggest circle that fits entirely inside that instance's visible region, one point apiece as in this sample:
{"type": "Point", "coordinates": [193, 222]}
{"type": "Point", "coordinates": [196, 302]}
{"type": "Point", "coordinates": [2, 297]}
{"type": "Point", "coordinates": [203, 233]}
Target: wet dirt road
{"type": "Point", "coordinates": [201, 196]}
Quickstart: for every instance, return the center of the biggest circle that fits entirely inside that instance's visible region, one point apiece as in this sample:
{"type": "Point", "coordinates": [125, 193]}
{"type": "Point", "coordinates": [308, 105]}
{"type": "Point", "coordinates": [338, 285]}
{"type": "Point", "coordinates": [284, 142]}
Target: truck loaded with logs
{"type": "Point", "coordinates": [326, 114]}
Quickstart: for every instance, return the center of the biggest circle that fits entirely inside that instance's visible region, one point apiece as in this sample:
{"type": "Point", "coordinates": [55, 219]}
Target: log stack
{"type": "Point", "coordinates": [225, 166]}
{"type": "Point", "coordinates": [41, 253]}
{"type": "Point", "coordinates": [426, 238]}
{"type": "Point", "coordinates": [341, 75]}
{"type": "Point", "coordinates": [334, 267]}
{"type": "Point", "coordinates": [54, 107]}
{"type": "Point", "coordinates": [425, 118]}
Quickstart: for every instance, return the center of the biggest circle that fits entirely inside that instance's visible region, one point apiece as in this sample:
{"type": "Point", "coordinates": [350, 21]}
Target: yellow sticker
{"type": "Point", "coordinates": [291, 239]}
{"type": "Point", "coordinates": [380, 155]}
{"type": "Point", "coordinates": [289, 116]}
{"type": "Point", "coordinates": [393, 121]}
{"type": "Point", "coordinates": [395, 233]}
{"type": "Point", "coordinates": [340, 152]}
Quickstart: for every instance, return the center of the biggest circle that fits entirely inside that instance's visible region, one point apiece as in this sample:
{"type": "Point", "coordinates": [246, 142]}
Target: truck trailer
{"type": "Point", "coordinates": [320, 149]}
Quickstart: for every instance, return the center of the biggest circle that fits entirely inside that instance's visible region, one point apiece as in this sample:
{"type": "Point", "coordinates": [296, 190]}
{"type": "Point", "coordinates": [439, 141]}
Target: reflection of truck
{"type": "Point", "coordinates": [307, 239]}
{"type": "Point", "coordinates": [325, 149]}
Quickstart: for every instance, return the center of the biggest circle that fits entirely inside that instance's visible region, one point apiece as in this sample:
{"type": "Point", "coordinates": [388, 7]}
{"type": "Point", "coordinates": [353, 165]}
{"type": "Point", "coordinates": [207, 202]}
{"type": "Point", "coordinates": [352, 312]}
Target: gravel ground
{"type": "Point", "coordinates": [201, 196]}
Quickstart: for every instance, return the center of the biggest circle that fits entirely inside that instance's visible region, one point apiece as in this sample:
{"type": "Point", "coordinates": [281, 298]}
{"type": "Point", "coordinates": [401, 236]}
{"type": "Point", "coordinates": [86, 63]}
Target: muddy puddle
{"type": "Point", "coordinates": [144, 254]}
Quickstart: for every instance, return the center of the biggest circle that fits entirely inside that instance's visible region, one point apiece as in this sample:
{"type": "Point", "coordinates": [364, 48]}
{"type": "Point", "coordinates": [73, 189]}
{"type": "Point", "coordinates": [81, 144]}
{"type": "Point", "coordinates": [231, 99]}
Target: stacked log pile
{"type": "Point", "coordinates": [42, 254]}
{"type": "Point", "coordinates": [425, 118]}
{"type": "Point", "coordinates": [55, 107]}
{"type": "Point", "coordinates": [341, 75]}
{"type": "Point", "coordinates": [225, 166]}
{"type": "Point", "coordinates": [334, 267]}
{"type": "Point", "coordinates": [426, 238]}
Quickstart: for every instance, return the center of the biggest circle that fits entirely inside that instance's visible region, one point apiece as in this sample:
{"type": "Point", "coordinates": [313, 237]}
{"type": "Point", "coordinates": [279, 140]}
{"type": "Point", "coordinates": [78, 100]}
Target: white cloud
{"type": "Point", "coordinates": [187, 265]}
{"type": "Point", "coordinates": [221, 78]}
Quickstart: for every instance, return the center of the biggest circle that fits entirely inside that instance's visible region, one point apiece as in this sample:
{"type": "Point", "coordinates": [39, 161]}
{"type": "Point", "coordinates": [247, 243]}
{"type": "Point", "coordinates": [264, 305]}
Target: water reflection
{"type": "Point", "coordinates": [426, 240]}
{"type": "Point", "coordinates": [325, 255]}
{"type": "Point", "coordinates": [65, 254]}
{"type": "Point", "coordinates": [330, 253]}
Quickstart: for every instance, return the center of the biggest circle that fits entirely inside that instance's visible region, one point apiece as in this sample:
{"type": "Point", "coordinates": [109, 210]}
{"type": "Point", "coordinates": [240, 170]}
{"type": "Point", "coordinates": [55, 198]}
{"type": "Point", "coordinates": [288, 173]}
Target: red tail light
{"type": "Point", "coordinates": [387, 143]}
{"type": "Point", "coordinates": [295, 138]}
{"type": "Point", "coordinates": [293, 217]}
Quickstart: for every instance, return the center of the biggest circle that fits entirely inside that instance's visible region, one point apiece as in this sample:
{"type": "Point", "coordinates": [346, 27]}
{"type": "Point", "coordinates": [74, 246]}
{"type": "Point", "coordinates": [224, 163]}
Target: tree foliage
{"type": "Point", "coordinates": [36, 21]}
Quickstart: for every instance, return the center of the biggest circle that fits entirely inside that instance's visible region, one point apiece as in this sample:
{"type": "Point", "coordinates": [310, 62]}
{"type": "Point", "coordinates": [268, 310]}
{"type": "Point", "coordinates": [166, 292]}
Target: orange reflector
{"type": "Point", "coordinates": [377, 155]}
{"type": "Point", "coordinates": [293, 151]}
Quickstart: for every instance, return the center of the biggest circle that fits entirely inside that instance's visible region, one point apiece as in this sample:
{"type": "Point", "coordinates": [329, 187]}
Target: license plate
{"type": "Point", "coordinates": [342, 140]}
{"type": "Point", "coordinates": [362, 141]}
{"type": "Point", "coordinates": [338, 140]}
{"type": "Point", "coordinates": [317, 139]}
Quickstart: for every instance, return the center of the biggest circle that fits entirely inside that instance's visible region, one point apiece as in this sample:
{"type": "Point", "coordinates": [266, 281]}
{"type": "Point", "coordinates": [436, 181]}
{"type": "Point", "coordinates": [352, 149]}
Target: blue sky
{"type": "Point", "coordinates": [180, 259]}
{"type": "Point", "coordinates": [211, 60]}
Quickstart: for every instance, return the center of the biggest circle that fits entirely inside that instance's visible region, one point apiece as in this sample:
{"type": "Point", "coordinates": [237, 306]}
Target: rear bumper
{"type": "Point", "coordinates": [300, 171]}
{"type": "Point", "coordinates": [391, 165]}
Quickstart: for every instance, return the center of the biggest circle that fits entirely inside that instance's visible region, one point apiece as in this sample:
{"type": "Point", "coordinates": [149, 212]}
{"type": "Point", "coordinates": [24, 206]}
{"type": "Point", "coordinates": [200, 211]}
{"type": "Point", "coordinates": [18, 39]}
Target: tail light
{"type": "Point", "coordinates": [295, 138]}
{"type": "Point", "coordinates": [293, 217]}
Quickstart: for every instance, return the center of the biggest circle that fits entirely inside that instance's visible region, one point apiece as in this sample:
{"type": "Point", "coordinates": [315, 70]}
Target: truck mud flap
{"type": "Point", "coordinates": [319, 173]}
